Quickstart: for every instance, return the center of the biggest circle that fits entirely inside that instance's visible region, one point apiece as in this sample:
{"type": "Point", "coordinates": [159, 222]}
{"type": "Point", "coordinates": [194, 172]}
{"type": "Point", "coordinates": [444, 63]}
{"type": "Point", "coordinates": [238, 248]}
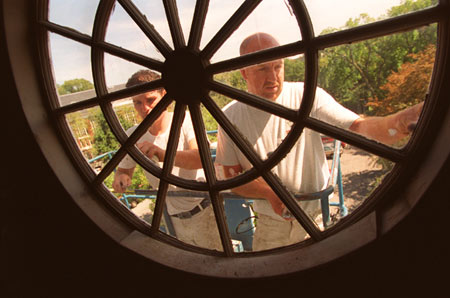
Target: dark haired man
{"type": "Point", "coordinates": [192, 217]}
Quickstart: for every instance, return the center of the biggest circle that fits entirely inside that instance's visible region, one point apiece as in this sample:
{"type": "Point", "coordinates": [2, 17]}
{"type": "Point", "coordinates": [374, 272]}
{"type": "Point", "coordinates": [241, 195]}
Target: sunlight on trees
{"type": "Point", "coordinates": [408, 86]}
{"type": "Point", "coordinates": [75, 85]}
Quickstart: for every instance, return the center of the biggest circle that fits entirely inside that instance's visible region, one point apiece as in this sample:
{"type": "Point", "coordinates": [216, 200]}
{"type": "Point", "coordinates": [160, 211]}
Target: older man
{"type": "Point", "coordinates": [193, 218]}
{"type": "Point", "coordinates": [304, 168]}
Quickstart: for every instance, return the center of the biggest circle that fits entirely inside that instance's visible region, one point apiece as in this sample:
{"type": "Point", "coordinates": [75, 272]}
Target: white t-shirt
{"type": "Point", "coordinates": [174, 204]}
{"type": "Point", "coordinates": [304, 169]}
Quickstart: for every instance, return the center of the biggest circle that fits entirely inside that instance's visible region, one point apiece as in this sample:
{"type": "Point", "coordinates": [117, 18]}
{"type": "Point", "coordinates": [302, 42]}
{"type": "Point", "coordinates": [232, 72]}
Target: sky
{"type": "Point", "coordinates": [72, 60]}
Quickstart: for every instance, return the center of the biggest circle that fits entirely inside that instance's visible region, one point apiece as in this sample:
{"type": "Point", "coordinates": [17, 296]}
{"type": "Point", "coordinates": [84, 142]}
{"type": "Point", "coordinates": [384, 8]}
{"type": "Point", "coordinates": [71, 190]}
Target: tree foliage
{"type": "Point", "coordinates": [75, 85]}
{"type": "Point", "coordinates": [104, 141]}
{"type": "Point", "coordinates": [354, 73]}
{"type": "Point", "coordinates": [232, 78]}
{"type": "Point", "coordinates": [294, 69]}
{"type": "Point", "coordinates": [407, 86]}
{"type": "Point", "coordinates": [103, 138]}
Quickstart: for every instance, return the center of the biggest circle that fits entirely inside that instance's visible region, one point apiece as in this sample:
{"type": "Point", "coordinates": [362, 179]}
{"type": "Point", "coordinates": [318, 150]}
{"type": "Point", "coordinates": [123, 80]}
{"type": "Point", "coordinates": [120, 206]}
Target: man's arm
{"type": "Point", "coordinates": [186, 159]}
{"type": "Point", "coordinates": [122, 179]}
{"type": "Point", "coordinates": [257, 188]}
{"type": "Point", "coordinates": [388, 129]}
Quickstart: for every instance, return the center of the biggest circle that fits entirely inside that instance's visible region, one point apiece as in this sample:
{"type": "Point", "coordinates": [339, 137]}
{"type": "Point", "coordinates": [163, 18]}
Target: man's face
{"type": "Point", "coordinates": [266, 79]}
{"type": "Point", "coordinates": [144, 103]}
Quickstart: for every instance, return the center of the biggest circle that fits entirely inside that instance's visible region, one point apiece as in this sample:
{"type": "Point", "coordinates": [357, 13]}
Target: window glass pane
{"type": "Point", "coordinates": [329, 16]}
{"type": "Point", "coordinates": [155, 13]}
{"type": "Point", "coordinates": [231, 78]}
{"type": "Point", "coordinates": [189, 217]}
{"type": "Point", "coordinates": [126, 113]}
{"type": "Point", "coordinates": [93, 136]}
{"type": "Point", "coordinates": [186, 12]}
{"type": "Point", "coordinates": [133, 109]}
{"type": "Point", "coordinates": [218, 14]}
{"type": "Point", "coordinates": [361, 172]}
{"type": "Point", "coordinates": [378, 77]}
{"type": "Point", "coordinates": [124, 32]}
{"type": "Point", "coordinates": [241, 221]}
{"type": "Point", "coordinates": [71, 69]}
{"type": "Point", "coordinates": [272, 17]}
{"type": "Point", "coordinates": [210, 124]}
{"type": "Point", "coordinates": [77, 14]}
{"type": "Point", "coordinates": [267, 80]}
{"type": "Point", "coordinates": [354, 175]}
{"type": "Point", "coordinates": [253, 222]}
{"type": "Point", "coordinates": [153, 143]}
{"type": "Point", "coordinates": [129, 184]}
{"type": "Point", "coordinates": [118, 71]}
{"type": "Point", "coordinates": [255, 132]}
{"type": "Point", "coordinates": [142, 206]}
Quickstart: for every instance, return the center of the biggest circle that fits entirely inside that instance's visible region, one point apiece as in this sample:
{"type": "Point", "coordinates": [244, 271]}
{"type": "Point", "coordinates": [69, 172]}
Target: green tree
{"type": "Point", "coordinates": [233, 79]}
{"type": "Point", "coordinates": [294, 69]}
{"type": "Point", "coordinates": [354, 73]}
{"type": "Point", "coordinates": [75, 85]}
{"type": "Point", "coordinates": [404, 88]}
{"type": "Point", "coordinates": [104, 139]}
{"type": "Point", "coordinates": [410, 5]}
{"type": "Point", "coordinates": [408, 86]}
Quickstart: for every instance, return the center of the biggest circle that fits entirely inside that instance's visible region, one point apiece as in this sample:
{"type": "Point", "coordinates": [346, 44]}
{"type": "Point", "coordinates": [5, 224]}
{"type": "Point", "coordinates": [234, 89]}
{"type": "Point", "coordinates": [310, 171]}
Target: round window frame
{"type": "Point", "coordinates": [406, 185]}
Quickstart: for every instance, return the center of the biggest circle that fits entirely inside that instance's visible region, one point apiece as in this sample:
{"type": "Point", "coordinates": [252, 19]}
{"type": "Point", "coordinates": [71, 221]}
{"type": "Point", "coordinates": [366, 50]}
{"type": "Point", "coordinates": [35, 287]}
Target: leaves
{"type": "Point", "coordinates": [354, 73]}
{"type": "Point", "coordinates": [75, 85]}
{"type": "Point", "coordinates": [408, 86]}
{"type": "Point", "coordinates": [294, 69]}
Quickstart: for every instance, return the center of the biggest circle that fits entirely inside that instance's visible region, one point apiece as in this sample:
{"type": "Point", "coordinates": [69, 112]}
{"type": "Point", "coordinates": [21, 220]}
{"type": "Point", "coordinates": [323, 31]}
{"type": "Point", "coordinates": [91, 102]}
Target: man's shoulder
{"type": "Point", "coordinates": [294, 89]}
{"type": "Point", "coordinates": [130, 130]}
{"type": "Point", "coordinates": [289, 87]}
{"type": "Point", "coordinates": [232, 106]}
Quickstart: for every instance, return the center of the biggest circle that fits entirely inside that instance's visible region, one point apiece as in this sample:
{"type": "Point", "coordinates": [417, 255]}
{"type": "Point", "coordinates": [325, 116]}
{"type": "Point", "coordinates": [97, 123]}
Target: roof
{"type": "Point", "coordinates": [72, 98]}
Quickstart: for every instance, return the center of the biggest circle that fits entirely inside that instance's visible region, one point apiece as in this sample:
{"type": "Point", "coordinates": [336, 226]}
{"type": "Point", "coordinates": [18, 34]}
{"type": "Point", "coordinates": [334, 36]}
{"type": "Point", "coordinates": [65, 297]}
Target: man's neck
{"type": "Point", "coordinates": [161, 124]}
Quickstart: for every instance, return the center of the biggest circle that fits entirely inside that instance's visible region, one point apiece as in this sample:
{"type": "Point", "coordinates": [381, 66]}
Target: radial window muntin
{"type": "Point", "coordinates": [309, 45]}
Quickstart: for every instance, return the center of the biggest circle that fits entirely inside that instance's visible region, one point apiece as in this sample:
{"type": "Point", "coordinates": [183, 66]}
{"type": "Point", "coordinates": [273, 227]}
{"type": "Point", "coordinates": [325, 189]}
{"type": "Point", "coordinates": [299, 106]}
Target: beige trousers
{"type": "Point", "coordinates": [272, 233]}
{"type": "Point", "coordinates": [200, 230]}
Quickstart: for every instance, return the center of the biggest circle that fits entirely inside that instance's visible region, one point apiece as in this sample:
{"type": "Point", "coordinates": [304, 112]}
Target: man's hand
{"type": "Point", "coordinates": [151, 150]}
{"type": "Point", "coordinates": [407, 119]}
{"type": "Point", "coordinates": [257, 188]}
{"type": "Point", "coordinates": [279, 208]}
{"type": "Point", "coordinates": [389, 129]}
{"type": "Point", "coordinates": [121, 182]}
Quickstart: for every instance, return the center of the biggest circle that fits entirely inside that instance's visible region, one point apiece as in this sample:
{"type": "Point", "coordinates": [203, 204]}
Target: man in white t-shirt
{"type": "Point", "coordinates": [192, 217]}
{"type": "Point", "coordinates": [304, 169]}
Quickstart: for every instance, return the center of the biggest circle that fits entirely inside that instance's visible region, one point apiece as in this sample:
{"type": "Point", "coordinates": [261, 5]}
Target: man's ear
{"type": "Point", "coordinates": [244, 74]}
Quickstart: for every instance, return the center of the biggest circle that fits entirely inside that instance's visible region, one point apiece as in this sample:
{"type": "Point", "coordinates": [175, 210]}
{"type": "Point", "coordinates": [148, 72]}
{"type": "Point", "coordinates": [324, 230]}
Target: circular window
{"type": "Point", "coordinates": [356, 185]}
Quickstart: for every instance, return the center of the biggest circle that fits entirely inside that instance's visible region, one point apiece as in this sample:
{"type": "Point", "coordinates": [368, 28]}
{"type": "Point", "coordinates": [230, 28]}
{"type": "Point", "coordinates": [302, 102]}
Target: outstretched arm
{"type": "Point", "coordinates": [388, 129]}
